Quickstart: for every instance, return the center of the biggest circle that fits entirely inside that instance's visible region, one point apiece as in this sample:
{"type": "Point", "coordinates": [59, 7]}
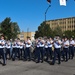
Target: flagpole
{"type": "Point", "coordinates": [46, 11]}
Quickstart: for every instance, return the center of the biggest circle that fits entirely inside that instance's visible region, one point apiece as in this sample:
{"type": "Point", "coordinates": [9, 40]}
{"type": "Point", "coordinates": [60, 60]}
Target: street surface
{"type": "Point", "coordinates": [20, 67]}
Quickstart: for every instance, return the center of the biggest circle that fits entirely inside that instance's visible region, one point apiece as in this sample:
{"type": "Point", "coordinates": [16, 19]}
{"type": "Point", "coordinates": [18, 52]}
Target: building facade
{"type": "Point", "coordinates": [64, 23]}
{"type": "Point", "coordinates": [24, 35]}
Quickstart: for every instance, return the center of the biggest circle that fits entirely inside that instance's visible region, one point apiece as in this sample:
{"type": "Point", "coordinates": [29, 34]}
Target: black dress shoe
{"type": "Point", "coordinates": [46, 59]}
{"type": "Point", "coordinates": [66, 60]}
{"type": "Point", "coordinates": [13, 59]}
{"type": "Point", "coordinates": [37, 62]}
{"type": "Point", "coordinates": [9, 58]}
{"type": "Point", "coordinates": [42, 61]}
{"type": "Point", "coordinates": [69, 57]}
{"type": "Point", "coordinates": [72, 58]}
{"type": "Point", "coordinates": [29, 59]}
{"type": "Point", "coordinates": [51, 63]}
{"type": "Point", "coordinates": [24, 59]}
{"type": "Point", "coordinates": [59, 63]}
{"type": "Point", "coordinates": [3, 64]}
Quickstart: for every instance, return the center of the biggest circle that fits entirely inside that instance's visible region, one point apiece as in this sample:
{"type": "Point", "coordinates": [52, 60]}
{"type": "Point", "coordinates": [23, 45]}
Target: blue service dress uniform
{"type": "Point", "coordinates": [37, 52]}
{"type": "Point", "coordinates": [65, 49]}
{"type": "Point", "coordinates": [50, 48]}
{"type": "Point", "coordinates": [27, 52]}
{"type": "Point", "coordinates": [71, 49]}
{"type": "Point", "coordinates": [74, 47]}
{"type": "Point", "coordinates": [8, 47]}
{"type": "Point", "coordinates": [46, 50]}
{"type": "Point", "coordinates": [57, 53]}
{"type": "Point", "coordinates": [42, 51]}
{"type": "Point", "coordinates": [16, 51]}
{"type": "Point", "coordinates": [21, 50]}
{"type": "Point", "coordinates": [2, 51]}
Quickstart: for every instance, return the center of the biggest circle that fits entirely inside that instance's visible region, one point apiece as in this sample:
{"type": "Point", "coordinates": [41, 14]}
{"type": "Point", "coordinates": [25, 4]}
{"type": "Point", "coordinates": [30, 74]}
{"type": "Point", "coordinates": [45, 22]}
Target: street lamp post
{"type": "Point", "coordinates": [46, 11]}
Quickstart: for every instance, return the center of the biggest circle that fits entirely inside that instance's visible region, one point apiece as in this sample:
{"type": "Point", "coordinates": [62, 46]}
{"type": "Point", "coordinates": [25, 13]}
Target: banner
{"type": "Point", "coordinates": [62, 2]}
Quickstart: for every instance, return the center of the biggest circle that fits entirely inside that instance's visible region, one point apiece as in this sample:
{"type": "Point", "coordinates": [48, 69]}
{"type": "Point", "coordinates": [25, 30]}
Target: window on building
{"type": "Point", "coordinates": [74, 26]}
{"type": "Point", "coordinates": [70, 26]}
{"type": "Point", "coordinates": [65, 27]}
{"type": "Point", "coordinates": [74, 21]}
{"type": "Point", "coordinates": [21, 36]}
{"type": "Point", "coordinates": [70, 22]}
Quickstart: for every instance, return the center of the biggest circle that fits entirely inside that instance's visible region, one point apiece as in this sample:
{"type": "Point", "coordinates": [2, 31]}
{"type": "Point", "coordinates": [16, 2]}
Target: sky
{"type": "Point", "coordinates": [29, 14]}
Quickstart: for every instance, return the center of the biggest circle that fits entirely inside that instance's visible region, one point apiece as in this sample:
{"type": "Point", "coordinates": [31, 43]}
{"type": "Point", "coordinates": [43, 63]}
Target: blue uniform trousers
{"type": "Point", "coordinates": [71, 52]}
{"type": "Point", "coordinates": [21, 53]}
{"type": "Point", "coordinates": [11, 50]}
{"type": "Point", "coordinates": [65, 54]}
{"type": "Point", "coordinates": [15, 53]}
{"type": "Point", "coordinates": [2, 53]}
{"type": "Point", "coordinates": [25, 57]}
{"type": "Point", "coordinates": [50, 52]}
{"type": "Point", "coordinates": [42, 53]}
{"type": "Point", "coordinates": [37, 54]}
{"type": "Point", "coordinates": [56, 55]}
{"type": "Point", "coordinates": [47, 53]}
{"type": "Point", "coordinates": [8, 53]}
{"type": "Point", "coordinates": [27, 53]}
{"type": "Point", "coordinates": [74, 51]}
{"type": "Point", "coordinates": [18, 52]}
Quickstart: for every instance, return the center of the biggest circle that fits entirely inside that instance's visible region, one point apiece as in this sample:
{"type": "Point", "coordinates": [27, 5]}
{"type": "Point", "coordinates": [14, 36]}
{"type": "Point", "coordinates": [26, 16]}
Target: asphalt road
{"type": "Point", "coordinates": [31, 68]}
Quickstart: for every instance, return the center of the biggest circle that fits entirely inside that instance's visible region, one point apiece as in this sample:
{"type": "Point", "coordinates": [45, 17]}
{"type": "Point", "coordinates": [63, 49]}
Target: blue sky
{"type": "Point", "coordinates": [30, 13]}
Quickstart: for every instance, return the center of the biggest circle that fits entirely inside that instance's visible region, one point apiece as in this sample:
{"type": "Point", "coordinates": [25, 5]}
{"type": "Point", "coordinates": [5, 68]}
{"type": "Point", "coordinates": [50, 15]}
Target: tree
{"type": "Point", "coordinates": [69, 33]}
{"type": "Point", "coordinates": [6, 27]}
{"type": "Point", "coordinates": [14, 30]}
{"type": "Point", "coordinates": [43, 30]}
{"type": "Point", "coordinates": [57, 31]}
{"type": "Point", "coordinates": [73, 33]}
{"type": "Point", "coordinates": [9, 29]}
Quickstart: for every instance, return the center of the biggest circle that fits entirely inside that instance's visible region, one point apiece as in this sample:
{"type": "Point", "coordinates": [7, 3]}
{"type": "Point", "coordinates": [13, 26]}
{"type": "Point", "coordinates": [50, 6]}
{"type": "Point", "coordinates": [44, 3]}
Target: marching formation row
{"type": "Point", "coordinates": [40, 50]}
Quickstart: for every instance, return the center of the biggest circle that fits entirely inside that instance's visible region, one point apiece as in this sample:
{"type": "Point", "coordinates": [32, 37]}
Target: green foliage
{"type": "Point", "coordinates": [14, 29]}
{"type": "Point", "coordinates": [69, 33]}
{"type": "Point", "coordinates": [73, 33]}
{"type": "Point", "coordinates": [57, 31]}
{"type": "Point", "coordinates": [43, 30]}
{"type": "Point", "coordinates": [9, 29]}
